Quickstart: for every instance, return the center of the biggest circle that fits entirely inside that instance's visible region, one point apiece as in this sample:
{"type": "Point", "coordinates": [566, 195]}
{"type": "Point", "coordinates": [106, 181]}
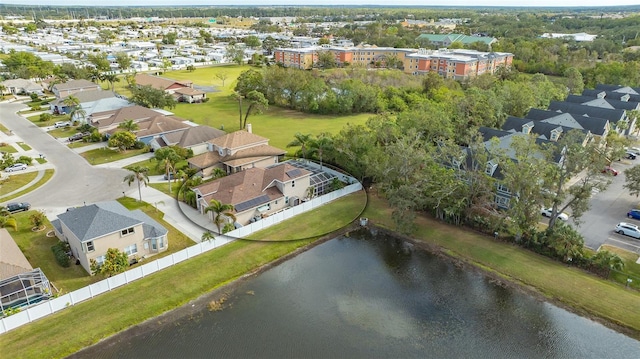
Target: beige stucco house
{"type": "Point", "coordinates": [91, 230]}
{"type": "Point", "coordinates": [235, 152]}
{"type": "Point", "coordinates": [256, 192]}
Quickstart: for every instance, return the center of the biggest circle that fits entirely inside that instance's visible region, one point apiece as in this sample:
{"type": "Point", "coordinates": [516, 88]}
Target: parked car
{"type": "Point", "coordinates": [634, 214]}
{"type": "Point", "coordinates": [546, 212]}
{"type": "Point", "coordinates": [634, 150]}
{"type": "Point", "coordinates": [16, 167]}
{"type": "Point", "coordinates": [18, 207]}
{"type": "Point", "coordinates": [628, 229]}
{"type": "Point", "coordinates": [610, 171]}
{"type": "Point", "coordinates": [170, 177]}
{"type": "Point", "coordinates": [61, 124]}
{"type": "Point", "coordinates": [78, 136]}
{"type": "Point", "coordinates": [630, 155]}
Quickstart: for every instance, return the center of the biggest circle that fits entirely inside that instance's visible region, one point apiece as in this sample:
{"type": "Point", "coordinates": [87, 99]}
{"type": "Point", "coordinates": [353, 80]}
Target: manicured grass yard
{"type": "Point", "coordinates": [8, 148]}
{"type": "Point", "coordinates": [17, 181]}
{"type": "Point", "coordinates": [105, 155]}
{"type": "Point", "coordinates": [36, 120]}
{"type": "Point", "coordinates": [277, 124]}
{"type": "Point", "coordinates": [584, 292]}
{"type": "Point", "coordinates": [61, 334]}
{"type": "Point", "coordinates": [24, 146]}
{"type": "Point", "coordinates": [631, 268]}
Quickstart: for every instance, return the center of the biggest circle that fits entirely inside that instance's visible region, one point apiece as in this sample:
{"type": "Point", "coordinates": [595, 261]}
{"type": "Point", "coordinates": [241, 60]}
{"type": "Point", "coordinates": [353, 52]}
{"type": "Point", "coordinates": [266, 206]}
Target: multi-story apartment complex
{"type": "Point", "coordinates": [458, 64]}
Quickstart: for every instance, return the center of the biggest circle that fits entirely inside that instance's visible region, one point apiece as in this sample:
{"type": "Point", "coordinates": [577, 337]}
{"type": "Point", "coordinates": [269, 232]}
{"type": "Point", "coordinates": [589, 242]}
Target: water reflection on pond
{"type": "Point", "coordinates": [364, 297]}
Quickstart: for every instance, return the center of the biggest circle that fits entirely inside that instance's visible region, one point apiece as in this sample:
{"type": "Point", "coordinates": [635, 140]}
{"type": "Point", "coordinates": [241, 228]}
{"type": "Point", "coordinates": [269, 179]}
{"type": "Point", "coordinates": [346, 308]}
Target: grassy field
{"type": "Point", "coordinates": [55, 118]}
{"type": "Point", "coordinates": [55, 337]}
{"type": "Point", "coordinates": [8, 148]}
{"type": "Point", "coordinates": [277, 124]}
{"type": "Point", "coordinates": [24, 146]}
{"type": "Point", "coordinates": [584, 292]}
{"type": "Point", "coordinates": [631, 268]}
{"type": "Point", "coordinates": [20, 182]}
{"type": "Point", "coordinates": [104, 155]}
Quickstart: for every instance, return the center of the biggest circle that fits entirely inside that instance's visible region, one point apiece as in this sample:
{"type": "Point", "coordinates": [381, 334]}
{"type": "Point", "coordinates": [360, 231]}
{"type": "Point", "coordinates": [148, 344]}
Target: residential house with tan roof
{"type": "Point", "coordinates": [20, 284]}
{"type": "Point", "coordinates": [256, 192]}
{"type": "Point", "coordinates": [161, 83]}
{"type": "Point", "coordinates": [108, 120]}
{"type": "Point", "coordinates": [235, 152]}
{"type": "Point", "coordinates": [156, 126]}
{"type": "Point", "coordinates": [195, 138]}
{"type": "Point", "coordinates": [189, 95]}
{"type": "Point", "coordinates": [73, 86]}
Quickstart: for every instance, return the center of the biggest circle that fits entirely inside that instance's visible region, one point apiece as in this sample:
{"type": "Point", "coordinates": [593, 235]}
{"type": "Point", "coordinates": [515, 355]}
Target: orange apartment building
{"type": "Point", "coordinates": [456, 64]}
{"type": "Point", "coordinates": [459, 64]}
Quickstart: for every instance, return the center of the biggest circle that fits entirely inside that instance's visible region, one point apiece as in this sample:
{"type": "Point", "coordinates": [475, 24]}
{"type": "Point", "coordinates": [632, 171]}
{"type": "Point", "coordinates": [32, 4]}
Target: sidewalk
{"type": "Point", "coordinates": [33, 182]}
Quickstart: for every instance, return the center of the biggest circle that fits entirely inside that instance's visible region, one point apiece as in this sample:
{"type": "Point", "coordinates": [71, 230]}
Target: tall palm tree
{"type": "Point", "coordinates": [138, 174]}
{"type": "Point", "coordinates": [73, 105]}
{"type": "Point", "coordinates": [208, 236]}
{"type": "Point", "coordinates": [111, 79]}
{"type": "Point", "coordinates": [220, 211]}
{"type": "Point", "coordinates": [128, 125]}
{"type": "Point", "coordinates": [301, 141]}
{"type": "Point", "coordinates": [320, 146]}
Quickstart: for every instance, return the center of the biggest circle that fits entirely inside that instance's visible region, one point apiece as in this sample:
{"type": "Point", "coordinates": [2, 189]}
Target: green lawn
{"type": "Point", "coordinates": [8, 148]}
{"type": "Point", "coordinates": [584, 292]}
{"type": "Point", "coordinates": [277, 124]}
{"type": "Point", "coordinates": [631, 268]}
{"type": "Point", "coordinates": [54, 337]}
{"type": "Point", "coordinates": [36, 120]}
{"type": "Point", "coordinates": [164, 187]}
{"type": "Point", "coordinates": [105, 155]}
{"type": "Point", "coordinates": [19, 182]}
{"type": "Point", "coordinates": [24, 146]}
{"type": "Point", "coordinates": [4, 129]}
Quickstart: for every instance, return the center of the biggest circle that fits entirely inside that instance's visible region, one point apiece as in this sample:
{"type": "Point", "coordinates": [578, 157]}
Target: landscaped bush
{"type": "Point", "coordinates": [60, 252]}
{"type": "Point", "coordinates": [25, 159]}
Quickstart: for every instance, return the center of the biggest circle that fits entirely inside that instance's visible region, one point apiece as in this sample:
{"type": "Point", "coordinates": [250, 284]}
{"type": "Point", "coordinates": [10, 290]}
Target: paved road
{"type": "Point", "coordinates": [75, 181]}
{"type": "Point", "coordinates": [607, 209]}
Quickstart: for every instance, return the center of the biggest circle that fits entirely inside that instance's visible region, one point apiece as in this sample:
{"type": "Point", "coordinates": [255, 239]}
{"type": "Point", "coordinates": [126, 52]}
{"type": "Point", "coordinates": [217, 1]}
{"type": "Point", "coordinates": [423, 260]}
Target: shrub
{"type": "Point", "coordinates": [139, 145]}
{"type": "Point", "coordinates": [34, 96]}
{"type": "Point", "coordinates": [85, 128]}
{"type": "Point", "coordinates": [35, 107]}
{"type": "Point", "coordinates": [60, 252]}
{"type": "Point", "coordinates": [25, 159]}
{"type": "Point", "coordinates": [44, 117]}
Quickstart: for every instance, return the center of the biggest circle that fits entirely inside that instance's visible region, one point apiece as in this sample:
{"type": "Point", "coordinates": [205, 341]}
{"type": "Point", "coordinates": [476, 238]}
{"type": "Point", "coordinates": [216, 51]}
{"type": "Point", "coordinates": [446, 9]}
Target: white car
{"type": "Point", "coordinates": [546, 212]}
{"type": "Point", "coordinates": [628, 229]}
{"type": "Point", "coordinates": [61, 124]}
{"type": "Point", "coordinates": [16, 167]}
{"type": "Point", "coordinates": [634, 150]}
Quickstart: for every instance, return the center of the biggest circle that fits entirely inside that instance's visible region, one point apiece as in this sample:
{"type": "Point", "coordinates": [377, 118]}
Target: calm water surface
{"type": "Point", "coordinates": [368, 297]}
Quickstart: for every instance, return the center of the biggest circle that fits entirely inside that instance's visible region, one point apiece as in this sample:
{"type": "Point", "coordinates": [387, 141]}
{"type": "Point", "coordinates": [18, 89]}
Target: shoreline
{"type": "Point", "coordinates": [195, 306]}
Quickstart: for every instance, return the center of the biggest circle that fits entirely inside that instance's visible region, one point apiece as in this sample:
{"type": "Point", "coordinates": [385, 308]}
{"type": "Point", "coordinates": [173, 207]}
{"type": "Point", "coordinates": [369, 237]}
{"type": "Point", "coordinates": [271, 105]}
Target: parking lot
{"type": "Point", "coordinates": [608, 208]}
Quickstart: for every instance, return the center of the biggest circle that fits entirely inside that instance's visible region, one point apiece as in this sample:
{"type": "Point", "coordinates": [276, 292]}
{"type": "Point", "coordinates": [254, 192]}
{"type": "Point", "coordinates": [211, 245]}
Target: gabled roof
{"type": "Point", "coordinates": [192, 136]}
{"type": "Point", "coordinates": [609, 103]}
{"type": "Point", "coordinates": [239, 158]}
{"type": "Point", "coordinates": [114, 117]}
{"type": "Point", "coordinates": [540, 128]}
{"type": "Point", "coordinates": [159, 82]}
{"type": "Point", "coordinates": [237, 139]}
{"type": "Point", "coordinates": [189, 91]}
{"type": "Point", "coordinates": [100, 219]}
{"type": "Point", "coordinates": [597, 126]}
{"type": "Point", "coordinates": [12, 261]}
{"type": "Point", "coordinates": [86, 96]}
{"type": "Point", "coordinates": [619, 88]}
{"type": "Point", "coordinates": [252, 186]}
{"type": "Point", "coordinates": [611, 95]}
{"type": "Point", "coordinates": [158, 125]}
{"type": "Point", "coordinates": [22, 83]}
{"type": "Point", "coordinates": [75, 85]}
{"type": "Point", "coordinates": [465, 39]}
{"type": "Point", "coordinates": [612, 115]}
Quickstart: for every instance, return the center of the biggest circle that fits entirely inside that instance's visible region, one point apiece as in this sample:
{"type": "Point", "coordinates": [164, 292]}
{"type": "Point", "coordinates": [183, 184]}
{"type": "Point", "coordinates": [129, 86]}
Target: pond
{"type": "Point", "coordinates": [367, 296]}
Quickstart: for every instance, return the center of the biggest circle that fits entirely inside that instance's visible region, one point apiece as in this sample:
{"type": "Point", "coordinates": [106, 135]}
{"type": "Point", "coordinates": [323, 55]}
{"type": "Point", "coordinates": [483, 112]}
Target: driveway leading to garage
{"type": "Point", "coordinates": [75, 181]}
{"type": "Point", "coordinates": [608, 208]}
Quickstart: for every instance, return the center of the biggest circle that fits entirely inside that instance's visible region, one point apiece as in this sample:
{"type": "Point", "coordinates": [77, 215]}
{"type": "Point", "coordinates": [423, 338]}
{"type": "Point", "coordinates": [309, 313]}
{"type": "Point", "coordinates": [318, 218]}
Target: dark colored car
{"type": "Point", "coordinates": [634, 213]}
{"type": "Point", "coordinates": [170, 177]}
{"type": "Point", "coordinates": [630, 156]}
{"type": "Point", "coordinates": [18, 207]}
{"type": "Point", "coordinates": [78, 136]}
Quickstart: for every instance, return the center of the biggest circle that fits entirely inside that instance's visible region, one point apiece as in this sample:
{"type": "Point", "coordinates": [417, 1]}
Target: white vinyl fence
{"type": "Point", "coordinates": [56, 304]}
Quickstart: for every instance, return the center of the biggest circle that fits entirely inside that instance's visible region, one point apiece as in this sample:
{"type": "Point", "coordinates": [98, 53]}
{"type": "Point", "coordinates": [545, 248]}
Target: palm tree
{"type": "Point", "coordinates": [7, 221]}
{"type": "Point", "coordinates": [320, 146]}
{"type": "Point", "coordinates": [301, 141]}
{"type": "Point", "coordinates": [128, 125]}
{"type": "Point", "coordinates": [208, 236]}
{"type": "Point", "coordinates": [73, 105]}
{"type": "Point", "coordinates": [220, 211]}
{"type": "Point", "coordinates": [111, 79]}
{"type": "Point", "coordinates": [138, 174]}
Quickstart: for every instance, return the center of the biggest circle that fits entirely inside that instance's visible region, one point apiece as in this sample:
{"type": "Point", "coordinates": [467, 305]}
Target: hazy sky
{"type": "Point", "coordinates": [565, 3]}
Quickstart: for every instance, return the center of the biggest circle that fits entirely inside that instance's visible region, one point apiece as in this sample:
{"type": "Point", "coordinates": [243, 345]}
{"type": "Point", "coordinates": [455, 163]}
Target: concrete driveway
{"type": "Point", "coordinates": [608, 208]}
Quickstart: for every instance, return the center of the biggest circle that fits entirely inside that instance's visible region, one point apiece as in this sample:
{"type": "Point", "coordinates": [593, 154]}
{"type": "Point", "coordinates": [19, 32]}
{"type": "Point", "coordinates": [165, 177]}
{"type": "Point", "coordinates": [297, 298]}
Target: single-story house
{"type": "Point", "coordinates": [109, 120]}
{"type": "Point", "coordinates": [72, 87]}
{"type": "Point", "coordinates": [161, 83]}
{"type": "Point", "coordinates": [256, 192]}
{"type": "Point", "coordinates": [194, 138]}
{"type": "Point", "coordinates": [157, 126]}
{"type": "Point", "coordinates": [92, 229]}
{"type": "Point", "coordinates": [21, 86]}
{"type": "Point", "coordinates": [189, 95]}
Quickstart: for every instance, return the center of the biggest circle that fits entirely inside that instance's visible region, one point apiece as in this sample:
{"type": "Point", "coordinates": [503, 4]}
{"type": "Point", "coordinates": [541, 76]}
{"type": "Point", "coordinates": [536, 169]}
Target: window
{"type": "Point", "coordinates": [90, 247]}
{"type": "Point", "coordinates": [286, 200]}
{"type": "Point", "coordinates": [100, 260]}
{"type": "Point", "coordinates": [293, 183]}
{"type": "Point", "coordinates": [127, 231]}
{"type": "Point", "coordinates": [132, 249]}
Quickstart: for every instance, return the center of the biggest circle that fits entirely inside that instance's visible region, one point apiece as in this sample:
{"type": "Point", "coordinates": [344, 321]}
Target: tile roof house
{"type": "Point", "coordinates": [108, 120]}
{"type": "Point", "coordinates": [256, 192]}
{"type": "Point", "coordinates": [91, 230]}
{"type": "Point", "coordinates": [161, 83]}
{"type": "Point", "coordinates": [72, 87]}
{"type": "Point", "coordinates": [195, 138]}
{"type": "Point", "coordinates": [236, 152]}
{"type": "Point", "coordinates": [20, 284]}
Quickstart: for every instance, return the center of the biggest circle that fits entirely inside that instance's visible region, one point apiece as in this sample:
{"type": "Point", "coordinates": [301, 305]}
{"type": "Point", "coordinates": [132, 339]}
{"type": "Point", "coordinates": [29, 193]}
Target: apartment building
{"type": "Point", "coordinates": [459, 64]}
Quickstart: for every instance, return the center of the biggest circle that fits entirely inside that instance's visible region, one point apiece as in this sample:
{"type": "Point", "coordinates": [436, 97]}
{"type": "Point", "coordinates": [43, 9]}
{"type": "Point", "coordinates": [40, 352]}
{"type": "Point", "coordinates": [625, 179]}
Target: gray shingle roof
{"type": "Point", "coordinates": [611, 115]}
{"type": "Point", "coordinates": [602, 102]}
{"type": "Point", "coordinates": [597, 126]}
{"type": "Point", "coordinates": [611, 95]}
{"type": "Point", "coordinates": [99, 219]}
